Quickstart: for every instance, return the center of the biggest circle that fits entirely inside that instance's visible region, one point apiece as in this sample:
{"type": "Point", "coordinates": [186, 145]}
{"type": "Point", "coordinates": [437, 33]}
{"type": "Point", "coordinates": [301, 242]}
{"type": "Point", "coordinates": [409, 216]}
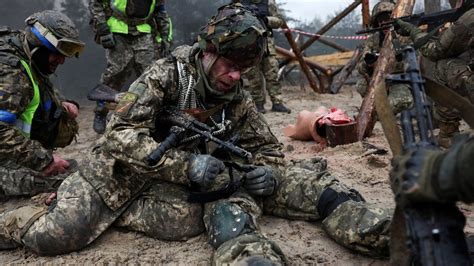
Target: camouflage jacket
{"type": "Point", "coordinates": [16, 92]}
{"type": "Point", "coordinates": [455, 174]}
{"type": "Point", "coordinates": [117, 167]}
{"type": "Point", "coordinates": [455, 41]}
{"type": "Point", "coordinates": [100, 11]}
{"type": "Point", "coordinates": [373, 45]}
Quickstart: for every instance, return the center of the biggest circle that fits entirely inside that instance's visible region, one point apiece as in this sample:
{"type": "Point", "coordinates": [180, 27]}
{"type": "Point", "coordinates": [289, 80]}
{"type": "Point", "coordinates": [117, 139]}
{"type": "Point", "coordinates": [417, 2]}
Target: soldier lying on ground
{"type": "Point", "coordinates": [117, 185]}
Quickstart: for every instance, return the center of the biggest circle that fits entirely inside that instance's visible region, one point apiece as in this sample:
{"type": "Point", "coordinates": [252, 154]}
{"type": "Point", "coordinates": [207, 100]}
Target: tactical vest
{"type": "Point", "coordinates": [41, 119]}
{"type": "Point", "coordinates": [260, 7]}
{"type": "Point", "coordinates": [8, 57]}
{"type": "Point", "coordinates": [130, 13]}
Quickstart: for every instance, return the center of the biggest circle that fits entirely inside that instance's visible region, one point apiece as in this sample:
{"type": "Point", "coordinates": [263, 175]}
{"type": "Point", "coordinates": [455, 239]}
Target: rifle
{"type": "Point", "coordinates": [432, 233]}
{"type": "Point", "coordinates": [102, 92]}
{"type": "Point", "coordinates": [432, 20]}
{"type": "Point", "coordinates": [182, 123]}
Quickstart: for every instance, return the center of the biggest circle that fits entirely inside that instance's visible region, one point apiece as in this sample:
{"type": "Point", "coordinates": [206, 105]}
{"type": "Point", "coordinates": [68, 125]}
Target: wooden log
{"type": "Point", "coordinates": [346, 71]}
{"type": "Point", "coordinates": [286, 53]}
{"type": "Point", "coordinates": [299, 57]}
{"type": "Point", "coordinates": [366, 117]}
{"type": "Point", "coordinates": [366, 14]}
{"type": "Point", "coordinates": [327, 27]}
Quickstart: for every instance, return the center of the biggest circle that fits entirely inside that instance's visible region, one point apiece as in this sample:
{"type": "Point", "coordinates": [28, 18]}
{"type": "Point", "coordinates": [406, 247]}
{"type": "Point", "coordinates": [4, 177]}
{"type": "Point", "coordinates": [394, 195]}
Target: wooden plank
{"type": "Point", "coordinates": [366, 116]}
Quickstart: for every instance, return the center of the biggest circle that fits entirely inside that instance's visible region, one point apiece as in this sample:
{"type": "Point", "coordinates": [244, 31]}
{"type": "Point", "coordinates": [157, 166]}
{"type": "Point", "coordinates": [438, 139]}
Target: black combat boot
{"type": "Point", "coordinates": [279, 107]}
{"type": "Point", "coordinates": [100, 121]}
{"type": "Point", "coordinates": [260, 108]}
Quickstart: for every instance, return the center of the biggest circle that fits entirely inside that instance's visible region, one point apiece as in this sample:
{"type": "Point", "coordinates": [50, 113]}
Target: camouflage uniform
{"type": "Point", "coordinates": [23, 156]}
{"type": "Point", "coordinates": [399, 95]}
{"type": "Point", "coordinates": [133, 49]}
{"type": "Point", "coordinates": [453, 54]}
{"type": "Point", "coordinates": [267, 70]}
{"type": "Point", "coordinates": [117, 175]}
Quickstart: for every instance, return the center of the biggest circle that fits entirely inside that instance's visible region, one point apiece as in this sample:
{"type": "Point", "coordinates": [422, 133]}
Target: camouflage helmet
{"type": "Point", "coordinates": [236, 34]}
{"type": "Point", "coordinates": [381, 8]}
{"type": "Point", "coordinates": [55, 31]}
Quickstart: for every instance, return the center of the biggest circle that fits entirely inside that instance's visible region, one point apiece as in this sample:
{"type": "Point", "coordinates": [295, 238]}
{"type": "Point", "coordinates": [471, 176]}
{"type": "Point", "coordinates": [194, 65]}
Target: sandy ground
{"type": "Point", "coordinates": [302, 242]}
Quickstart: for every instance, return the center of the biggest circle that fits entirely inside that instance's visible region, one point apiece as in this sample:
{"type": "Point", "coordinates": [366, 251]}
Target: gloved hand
{"type": "Point", "coordinates": [404, 28]}
{"type": "Point", "coordinates": [104, 36]}
{"type": "Point", "coordinates": [107, 41]}
{"type": "Point", "coordinates": [259, 180]}
{"type": "Point", "coordinates": [165, 48]}
{"type": "Point", "coordinates": [204, 168]}
{"type": "Point", "coordinates": [412, 177]}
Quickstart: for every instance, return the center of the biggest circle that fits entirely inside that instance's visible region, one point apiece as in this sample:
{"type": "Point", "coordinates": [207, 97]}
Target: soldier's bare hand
{"type": "Point", "coordinates": [71, 109]}
{"type": "Point", "coordinates": [57, 166]}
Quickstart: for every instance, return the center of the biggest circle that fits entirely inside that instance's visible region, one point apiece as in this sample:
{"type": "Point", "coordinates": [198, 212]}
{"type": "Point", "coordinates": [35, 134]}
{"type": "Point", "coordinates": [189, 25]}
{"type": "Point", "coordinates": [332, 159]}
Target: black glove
{"type": "Point", "coordinates": [204, 168]}
{"type": "Point", "coordinates": [404, 28]}
{"type": "Point", "coordinates": [259, 180]}
{"type": "Point", "coordinates": [104, 36]}
{"type": "Point", "coordinates": [411, 176]}
{"type": "Point", "coordinates": [107, 41]}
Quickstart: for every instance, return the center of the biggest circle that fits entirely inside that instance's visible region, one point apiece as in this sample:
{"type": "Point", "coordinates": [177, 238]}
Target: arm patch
{"type": "Point", "coordinates": [126, 102]}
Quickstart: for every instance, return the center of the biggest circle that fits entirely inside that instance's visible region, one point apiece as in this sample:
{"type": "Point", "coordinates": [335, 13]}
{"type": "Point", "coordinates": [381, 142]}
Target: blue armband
{"type": "Point", "coordinates": [7, 117]}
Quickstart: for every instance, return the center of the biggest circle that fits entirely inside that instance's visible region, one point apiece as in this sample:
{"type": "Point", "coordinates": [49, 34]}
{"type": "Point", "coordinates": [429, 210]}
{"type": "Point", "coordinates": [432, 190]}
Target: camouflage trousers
{"type": "Point", "coordinates": [232, 224]}
{"type": "Point", "coordinates": [455, 74]}
{"type": "Point", "coordinates": [399, 95]}
{"type": "Point", "coordinates": [16, 180]}
{"type": "Point", "coordinates": [265, 76]}
{"type": "Point", "coordinates": [162, 212]}
{"type": "Point", "coordinates": [80, 216]}
{"type": "Point", "coordinates": [130, 54]}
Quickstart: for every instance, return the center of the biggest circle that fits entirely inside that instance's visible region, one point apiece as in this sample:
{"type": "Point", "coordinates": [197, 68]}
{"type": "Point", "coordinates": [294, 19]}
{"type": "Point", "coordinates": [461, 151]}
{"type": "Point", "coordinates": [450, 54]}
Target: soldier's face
{"type": "Point", "coordinates": [54, 60]}
{"type": "Point", "coordinates": [224, 74]}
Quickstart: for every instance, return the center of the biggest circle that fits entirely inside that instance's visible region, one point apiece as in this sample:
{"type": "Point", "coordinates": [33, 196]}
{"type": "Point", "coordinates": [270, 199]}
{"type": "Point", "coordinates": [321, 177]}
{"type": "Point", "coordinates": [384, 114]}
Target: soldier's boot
{"type": "Point", "coordinates": [351, 222]}
{"type": "Point", "coordinates": [232, 232]}
{"type": "Point", "coordinates": [100, 122]}
{"type": "Point", "coordinates": [16, 223]}
{"type": "Point", "coordinates": [446, 133]}
{"type": "Point", "coordinates": [280, 107]}
{"type": "Point", "coordinates": [260, 107]}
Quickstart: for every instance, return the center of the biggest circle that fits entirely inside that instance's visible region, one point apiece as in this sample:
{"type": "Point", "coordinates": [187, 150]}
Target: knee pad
{"type": "Point", "coordinates": [331, 199]}
{"type": "Point", "coordinates": [227, 221]}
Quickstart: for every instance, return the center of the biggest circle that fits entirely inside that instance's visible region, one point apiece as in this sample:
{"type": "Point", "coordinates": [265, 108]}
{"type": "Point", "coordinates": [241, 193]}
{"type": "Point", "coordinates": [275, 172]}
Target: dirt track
{"type": "Point", "coordinates": [302, 242]}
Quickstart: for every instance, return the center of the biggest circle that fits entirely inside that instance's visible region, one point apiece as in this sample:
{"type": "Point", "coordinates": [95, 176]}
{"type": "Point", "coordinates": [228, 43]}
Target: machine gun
{"type": "Point", "coordinates": [432, 20]}
{"type": "Point", "coordinates": [432, 233]}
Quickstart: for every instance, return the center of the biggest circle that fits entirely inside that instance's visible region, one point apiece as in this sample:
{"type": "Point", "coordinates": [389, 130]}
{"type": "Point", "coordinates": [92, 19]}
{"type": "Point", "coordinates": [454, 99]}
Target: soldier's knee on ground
{"type": "Point", "coordinates": [359, 227]}
{"type": "Point", "coordinates": [226, 222]}
{"type": "Point", "coordinates": [17, 222]}
{"type": "Point", "coordinates": [246, 248]}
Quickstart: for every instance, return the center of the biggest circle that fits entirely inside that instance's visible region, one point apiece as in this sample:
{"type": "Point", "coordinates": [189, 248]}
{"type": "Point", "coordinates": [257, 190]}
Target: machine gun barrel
{"type": "Point", "coordinates": [432, 20]}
